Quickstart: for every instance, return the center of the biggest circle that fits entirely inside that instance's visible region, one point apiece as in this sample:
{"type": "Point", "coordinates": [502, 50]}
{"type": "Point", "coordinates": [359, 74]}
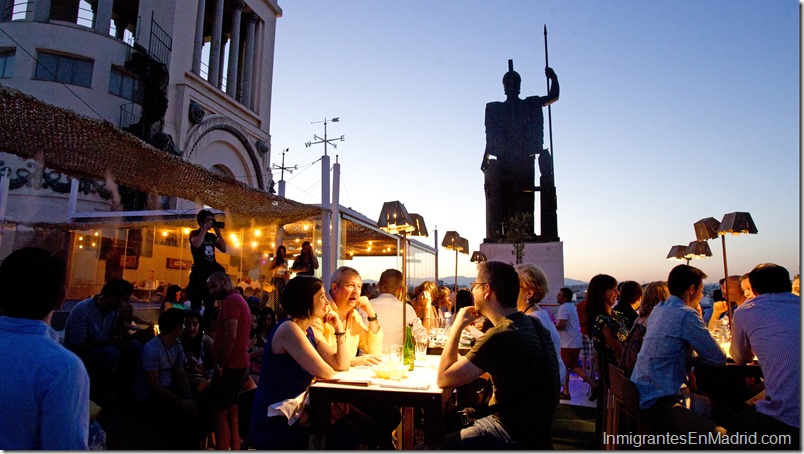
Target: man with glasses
{"type": "Point", "coordinates": [519, 355]}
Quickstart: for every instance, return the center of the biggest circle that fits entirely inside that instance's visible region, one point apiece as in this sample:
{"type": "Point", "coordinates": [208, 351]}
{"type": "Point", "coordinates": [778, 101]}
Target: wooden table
{"type": "Point", "coordinates": [431, 399]}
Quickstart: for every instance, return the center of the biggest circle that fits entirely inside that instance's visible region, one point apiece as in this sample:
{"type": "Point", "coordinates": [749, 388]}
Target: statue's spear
{"type": "Point", "coordinates": [549, 110]}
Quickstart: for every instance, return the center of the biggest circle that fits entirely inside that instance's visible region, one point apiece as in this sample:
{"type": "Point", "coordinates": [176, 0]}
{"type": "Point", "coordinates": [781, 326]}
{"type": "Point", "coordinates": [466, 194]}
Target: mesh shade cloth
{"type": "Point", "coordinates": [83, 147]}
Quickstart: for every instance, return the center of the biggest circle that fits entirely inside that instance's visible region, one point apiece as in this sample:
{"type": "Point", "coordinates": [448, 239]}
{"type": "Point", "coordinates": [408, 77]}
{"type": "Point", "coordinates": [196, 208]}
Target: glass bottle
{"type": "Point", "coordinates": [409, 348]}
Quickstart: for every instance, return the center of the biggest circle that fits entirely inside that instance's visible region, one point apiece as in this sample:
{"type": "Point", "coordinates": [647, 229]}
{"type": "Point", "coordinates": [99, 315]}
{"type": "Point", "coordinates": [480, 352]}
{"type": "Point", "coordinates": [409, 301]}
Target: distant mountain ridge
{"type": "Point", "coordinates": [464, 281]}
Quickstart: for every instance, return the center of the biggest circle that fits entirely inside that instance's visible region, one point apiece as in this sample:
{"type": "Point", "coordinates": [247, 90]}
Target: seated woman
{"type": "Point", "coordinates": [655, 293]}
{"type": "Point", "coordinates": [293, 357]}
{"type": "Point", "coordinates": [173, 298]}
{"type": "Point", "coordinates": [424, 296]}
{"type": "Point", "coordinates": [198, 354]}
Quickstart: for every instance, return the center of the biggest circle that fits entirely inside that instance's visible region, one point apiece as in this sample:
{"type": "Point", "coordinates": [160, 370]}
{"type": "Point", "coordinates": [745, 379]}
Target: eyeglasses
{"type": "Point", "coordinates": [475, 284]}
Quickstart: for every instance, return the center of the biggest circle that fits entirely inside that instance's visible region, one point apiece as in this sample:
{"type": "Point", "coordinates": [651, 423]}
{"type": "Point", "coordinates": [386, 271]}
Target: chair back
{"type": "Point", "coordinates": [623, 410]}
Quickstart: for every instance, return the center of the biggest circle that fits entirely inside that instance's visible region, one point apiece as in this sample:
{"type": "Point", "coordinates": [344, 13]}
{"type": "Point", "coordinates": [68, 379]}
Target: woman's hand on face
{"type": "Point", "coordinates": [331, 317]}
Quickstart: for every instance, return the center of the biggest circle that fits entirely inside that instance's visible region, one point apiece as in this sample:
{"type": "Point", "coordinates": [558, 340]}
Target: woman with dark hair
{"type": "Point", "coordinates": [173, 298]}
{"type": "Point", "coordinates": [279, 277]}
{"type": "Point", "coordinates": [306, 262]}
{"type": "Point", "coordinates": [293, 356]}
{"type": "Point", "coordinates": [192, 340]}
{"type": "Point", "coordinates": [629, 301]}
{"type": "Point", "coordinates": [608, 328]}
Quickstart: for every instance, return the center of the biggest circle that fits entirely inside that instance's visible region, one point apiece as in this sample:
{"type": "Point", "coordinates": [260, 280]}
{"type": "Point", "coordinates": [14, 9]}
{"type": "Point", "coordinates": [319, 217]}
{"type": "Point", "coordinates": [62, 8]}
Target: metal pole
{"type": "Point", "coordinates": [435, 246]}
{"type": "Point", "coordinates": [404, 282]}
{"type": "Point", "coordinates": [456, 271]}
{"type": "Point", "coordinates": [549, 110]}
{"type": "Point", "coordinates": [726, 271]}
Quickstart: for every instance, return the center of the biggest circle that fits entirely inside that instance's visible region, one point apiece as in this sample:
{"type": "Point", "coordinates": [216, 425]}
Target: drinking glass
{"type": "Point", "coordinates": [421, 348]}
{"type": "Point", "coordinates": [393, 361]}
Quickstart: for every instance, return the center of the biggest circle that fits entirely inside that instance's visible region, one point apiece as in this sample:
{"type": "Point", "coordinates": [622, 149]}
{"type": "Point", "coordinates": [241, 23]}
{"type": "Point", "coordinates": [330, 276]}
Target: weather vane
{"type": "Point", "coordinates": [325, 141]}
{"type": "Point", "coordinates": [282, 167]}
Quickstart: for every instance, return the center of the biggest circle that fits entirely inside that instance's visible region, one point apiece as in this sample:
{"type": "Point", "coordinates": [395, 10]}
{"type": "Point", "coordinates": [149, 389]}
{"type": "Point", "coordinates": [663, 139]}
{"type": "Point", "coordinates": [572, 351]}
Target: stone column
{"type": "Point", "coordinates": [198, 43]}
{"type": "Point", "coordinates": [103, 17]}
{"type": "Point", "coordinates": [221, 61]}
{"type": "Point", "coordinates": [6, 8]}
{"type": "Point", "coordinates": [248, 60]}
{"type": "Point", "coordinates": [234, 49]}
{"type": "Point", "coordinates": [216, 49]}
{"type": "Point", "coordinates": [41, 10]}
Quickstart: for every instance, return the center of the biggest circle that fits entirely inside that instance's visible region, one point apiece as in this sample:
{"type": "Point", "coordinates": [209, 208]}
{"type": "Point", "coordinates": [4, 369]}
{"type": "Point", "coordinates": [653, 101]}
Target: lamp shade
{"type": "Point", "coordinates": [418, 222]}
{"type": "Point", "coordinates": [706, 229]}
{"type": "Point", "coordinates": [452, 241]}
{"type": "Point", "coordinates": [698, 250]}
{"type": "Point", "coordinates": [478, 257]}
{"type": "Point", "coordinates": [737, 223]}
{"type": "Point", "coordinates": [394, 218]}
{"type": "Point", "coordinates": [464, 246]}
{"type": "Point", "coordinates": [677, 252]}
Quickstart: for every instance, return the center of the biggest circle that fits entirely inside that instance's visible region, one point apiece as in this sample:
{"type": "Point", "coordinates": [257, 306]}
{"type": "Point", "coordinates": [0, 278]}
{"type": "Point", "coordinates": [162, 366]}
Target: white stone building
{"type": "Point", "coordinates": [170, 68]}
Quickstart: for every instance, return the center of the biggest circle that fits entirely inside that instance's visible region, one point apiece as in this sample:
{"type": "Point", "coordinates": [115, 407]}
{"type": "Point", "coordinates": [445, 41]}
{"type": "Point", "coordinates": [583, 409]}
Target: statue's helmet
{"type": "Point", "coordinates": [511, 80]}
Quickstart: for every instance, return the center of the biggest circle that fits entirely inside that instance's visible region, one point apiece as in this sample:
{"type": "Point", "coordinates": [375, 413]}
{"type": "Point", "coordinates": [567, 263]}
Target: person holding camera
{"type": "Point", "coordinates": [202, 246]}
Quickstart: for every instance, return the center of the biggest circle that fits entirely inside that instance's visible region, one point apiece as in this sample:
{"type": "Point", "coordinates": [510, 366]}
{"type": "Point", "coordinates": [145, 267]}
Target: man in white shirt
{"type": "Point", "coordinates": [389, 308]}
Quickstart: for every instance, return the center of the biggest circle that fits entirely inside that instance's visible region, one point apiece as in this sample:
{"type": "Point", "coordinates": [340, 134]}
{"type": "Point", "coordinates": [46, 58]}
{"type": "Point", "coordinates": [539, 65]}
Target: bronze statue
{"type": "Point", "coordinates": [515, 136]}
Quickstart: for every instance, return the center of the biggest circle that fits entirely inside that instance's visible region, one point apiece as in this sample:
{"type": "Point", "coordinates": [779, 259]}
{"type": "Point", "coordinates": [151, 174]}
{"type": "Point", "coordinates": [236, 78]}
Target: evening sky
{"type": "Point", "coordinates": [670, 112]}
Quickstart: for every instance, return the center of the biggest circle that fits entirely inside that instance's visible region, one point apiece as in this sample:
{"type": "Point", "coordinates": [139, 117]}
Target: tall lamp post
{"type": "Point", "coordinates": [458, 244]}
{"type": "Point", "coordinates": [396, 220]}
{"type": "Point", "coordinates": [734, 223]}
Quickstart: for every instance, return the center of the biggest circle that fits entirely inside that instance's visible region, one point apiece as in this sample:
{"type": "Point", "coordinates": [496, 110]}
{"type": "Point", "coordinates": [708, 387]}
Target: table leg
{"type": "Point", "coordinates": [406, 440]}
{"type": "Point", "coordinates": [434, 423]}
{"type": "Point", "coordinates": [319, 420]}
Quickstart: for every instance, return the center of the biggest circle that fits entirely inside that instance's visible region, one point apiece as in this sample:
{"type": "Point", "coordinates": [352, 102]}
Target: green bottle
{"type": "Point", "coordinates": [409, 348]}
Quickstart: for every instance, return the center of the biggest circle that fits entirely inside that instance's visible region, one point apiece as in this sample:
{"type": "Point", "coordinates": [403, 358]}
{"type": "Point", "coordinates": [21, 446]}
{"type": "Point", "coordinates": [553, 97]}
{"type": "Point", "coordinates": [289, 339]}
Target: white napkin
{"type": "Point", "coordinates": [289, 408]}
{"type": "Point", "coordinates": [404, 385]}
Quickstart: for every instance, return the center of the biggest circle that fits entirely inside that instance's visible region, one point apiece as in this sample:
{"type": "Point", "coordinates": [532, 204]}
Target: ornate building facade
{"type": "Point", "coordinates": [191, 77]}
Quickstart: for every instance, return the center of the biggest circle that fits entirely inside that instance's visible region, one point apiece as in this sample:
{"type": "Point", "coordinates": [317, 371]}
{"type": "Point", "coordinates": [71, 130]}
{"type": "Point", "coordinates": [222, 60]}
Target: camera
{"type": "Point", "coordinates": [218, 224]}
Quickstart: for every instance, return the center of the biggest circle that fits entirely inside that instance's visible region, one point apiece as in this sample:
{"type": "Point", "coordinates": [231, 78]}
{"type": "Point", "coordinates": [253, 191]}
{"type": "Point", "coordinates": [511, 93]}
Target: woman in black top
{"type": "Point", "coordinates": [306, 262]}
{"type": "Point", "coordinates": [279, 269]}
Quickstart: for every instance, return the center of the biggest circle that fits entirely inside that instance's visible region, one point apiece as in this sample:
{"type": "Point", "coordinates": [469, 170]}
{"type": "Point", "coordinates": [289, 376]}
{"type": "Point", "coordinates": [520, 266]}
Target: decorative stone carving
{"type": "Point", "coordinates": [196, 113]}
{"type": "Point", "coordinates": [262, 147]}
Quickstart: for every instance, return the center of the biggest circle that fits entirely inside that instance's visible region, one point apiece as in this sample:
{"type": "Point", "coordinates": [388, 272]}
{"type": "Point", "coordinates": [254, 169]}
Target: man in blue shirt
{"type": "Point", "coordinates": [44, 388]}
{"type": "Point", "coordinates": [162, 391]}
{"type": "Point", "coordinates": [675, 328]}
{"type": "Point", "coordinates": [769, 326]}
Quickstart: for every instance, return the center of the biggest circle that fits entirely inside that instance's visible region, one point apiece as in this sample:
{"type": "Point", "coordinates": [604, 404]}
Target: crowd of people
{"type": "Point", "coordinates": [181, 388]}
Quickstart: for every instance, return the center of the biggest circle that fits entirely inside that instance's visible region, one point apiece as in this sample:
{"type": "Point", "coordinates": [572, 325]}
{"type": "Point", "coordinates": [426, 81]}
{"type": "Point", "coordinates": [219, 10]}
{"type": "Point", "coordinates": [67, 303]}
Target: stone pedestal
{"type": "Point", "coordinates": [548, 256]}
